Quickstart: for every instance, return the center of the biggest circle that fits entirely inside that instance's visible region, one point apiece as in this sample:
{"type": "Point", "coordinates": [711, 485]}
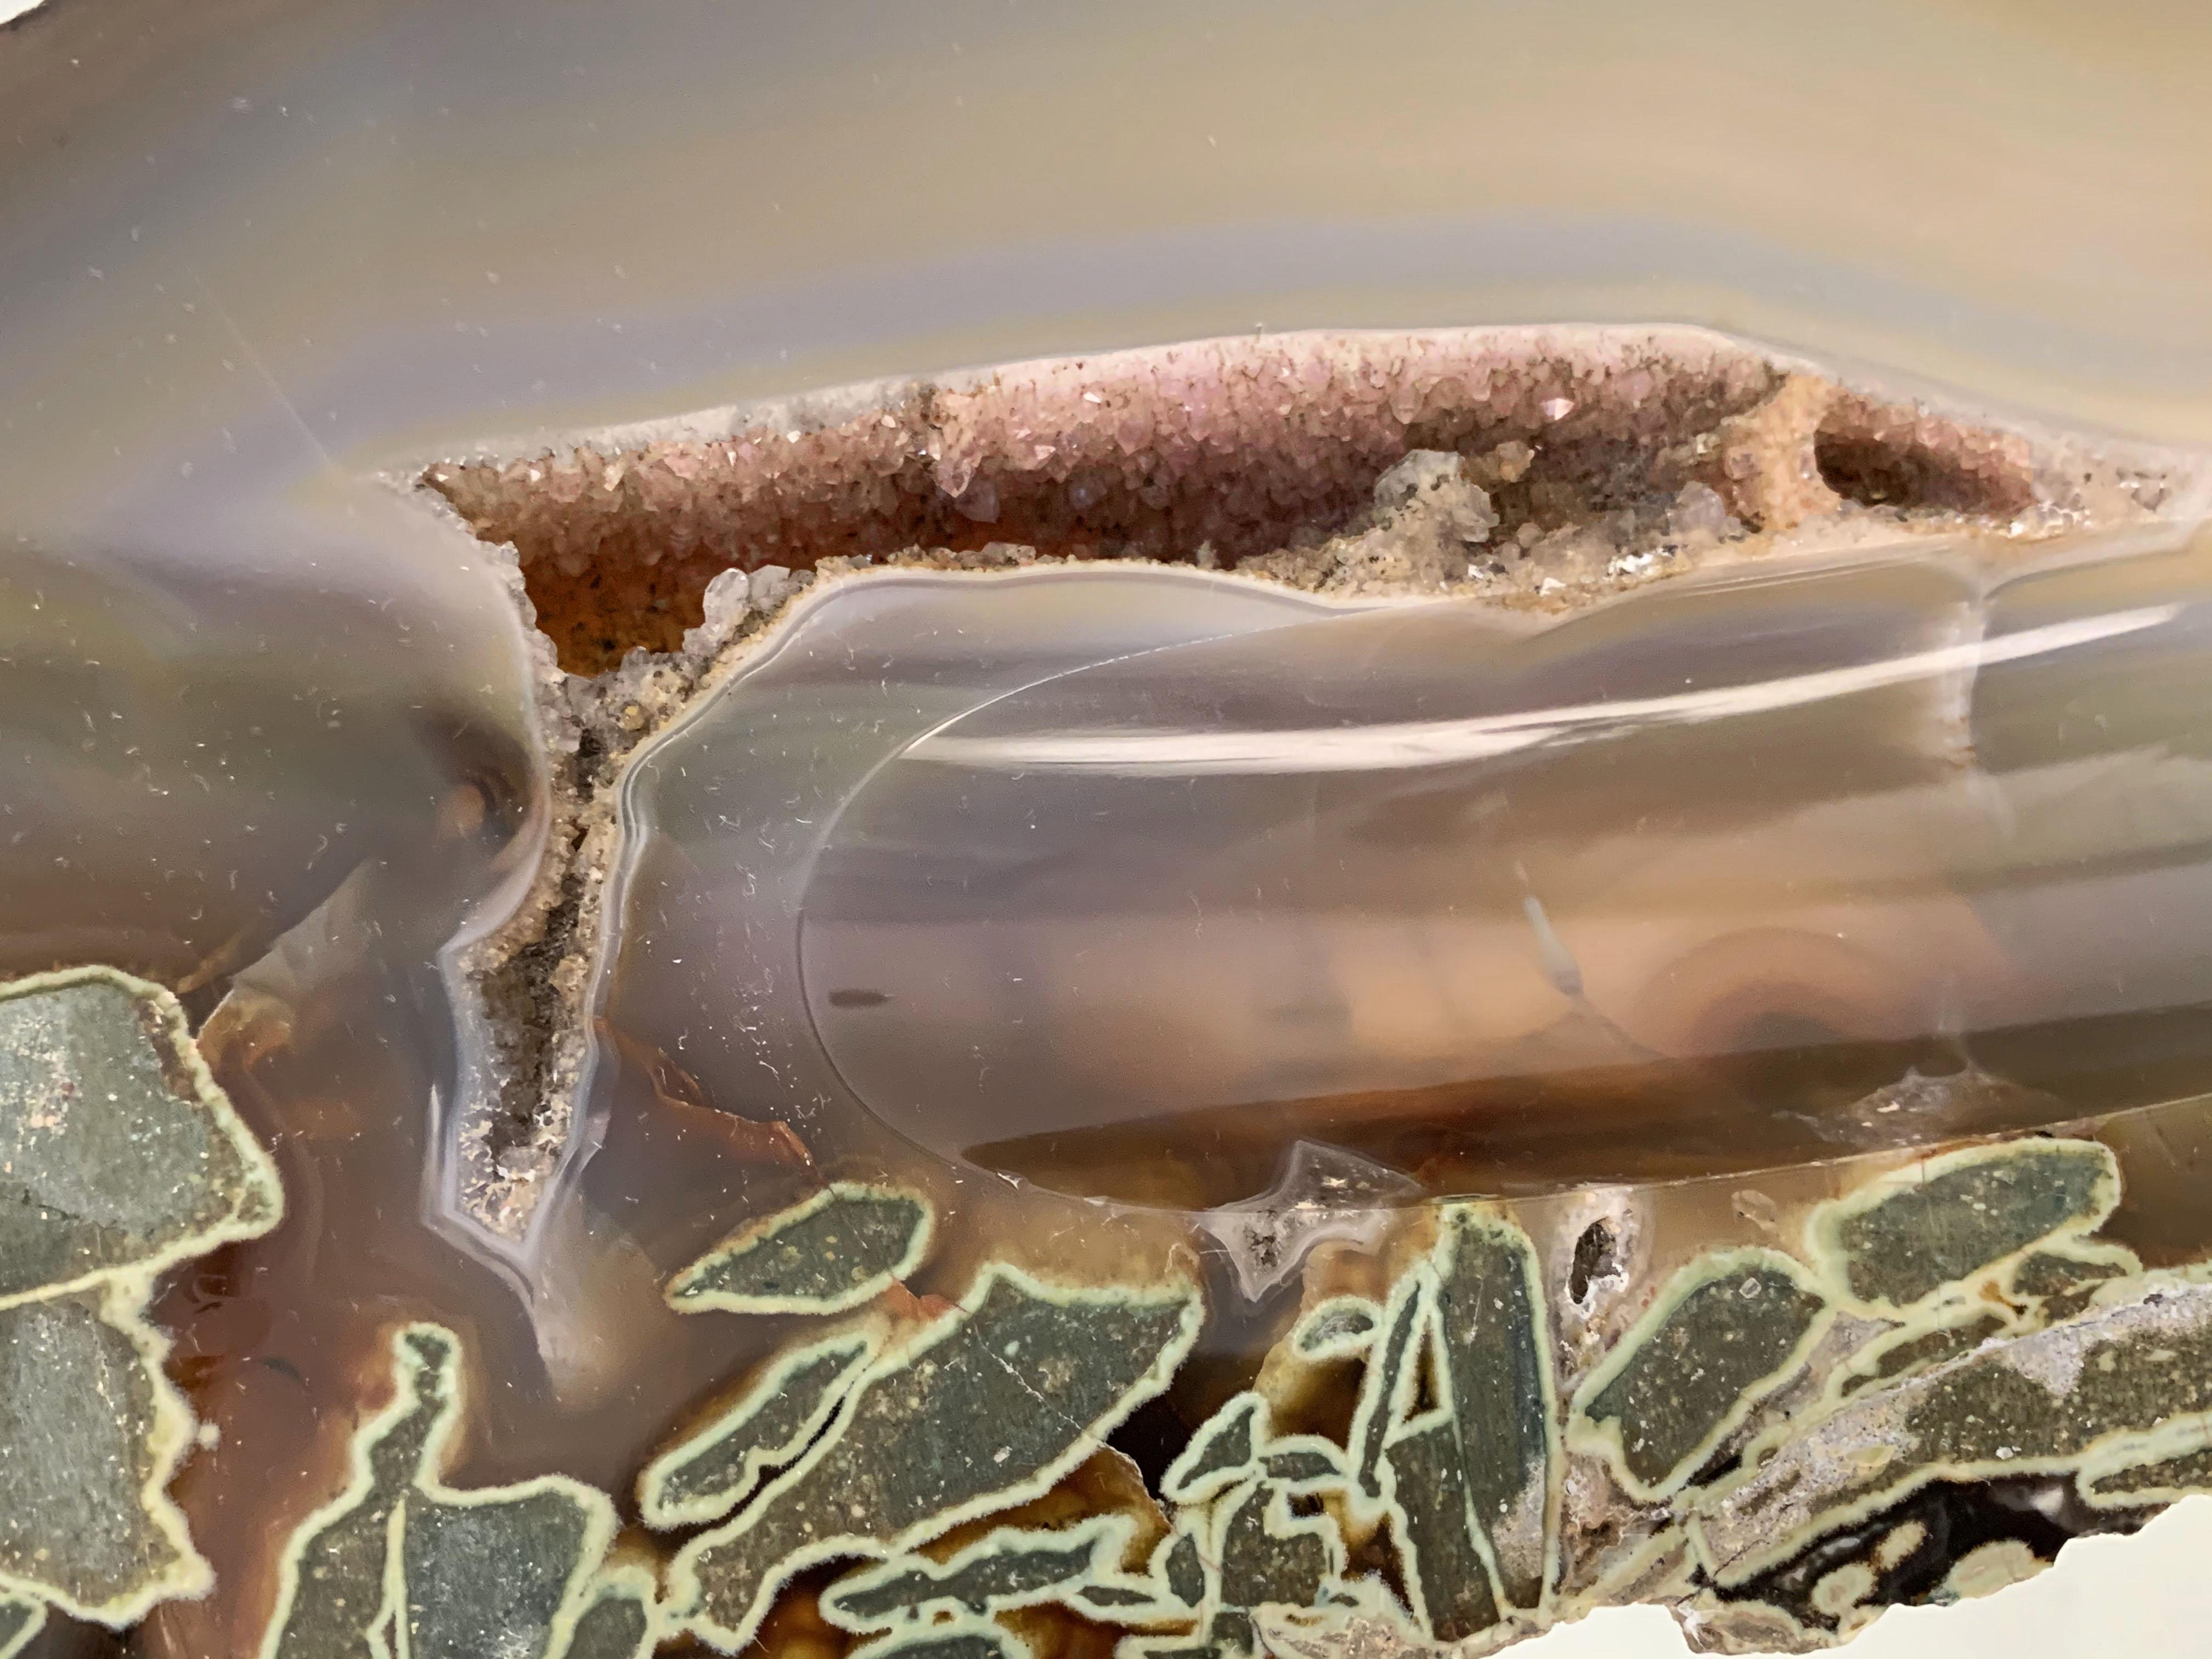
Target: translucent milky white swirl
{"type": "Point", "coordinates": [1164, 752]}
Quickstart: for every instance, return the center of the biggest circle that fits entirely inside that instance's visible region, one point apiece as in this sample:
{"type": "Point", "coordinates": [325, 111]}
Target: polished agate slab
{"type": "Point", "coordinates": [1332, 994]}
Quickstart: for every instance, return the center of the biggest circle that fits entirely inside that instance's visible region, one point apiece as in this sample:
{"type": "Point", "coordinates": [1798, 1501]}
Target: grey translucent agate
{"type": "Point", "coordinates": [1406, 848]}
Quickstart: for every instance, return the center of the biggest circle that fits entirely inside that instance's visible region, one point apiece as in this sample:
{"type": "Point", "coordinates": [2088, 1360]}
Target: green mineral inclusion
{"type": "Point", "coordinates": [847, 1243]}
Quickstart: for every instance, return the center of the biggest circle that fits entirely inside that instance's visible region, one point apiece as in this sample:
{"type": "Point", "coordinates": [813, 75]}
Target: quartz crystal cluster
{"type": "Point", "coordinates": [1337, 995]}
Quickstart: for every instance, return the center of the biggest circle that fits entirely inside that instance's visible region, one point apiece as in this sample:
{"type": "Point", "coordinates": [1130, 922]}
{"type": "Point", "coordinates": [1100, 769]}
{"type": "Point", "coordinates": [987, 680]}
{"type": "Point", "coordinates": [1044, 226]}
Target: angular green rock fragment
{"type": "Point", "coordinates": [619, 1619]}
{"type": "Point", "coordinates": [20, 1623]}
{"type": "Point", "coordinates": [118, 1153]}
{"type": "Point", "coordinates": [982, 1410]}
{"type": "Point", "coordinates": [966, 1637]}
{"type": "Point", "coordinates": [1494, 1348]}
{"type": "Point", "coordinates": [1011, 1568]}
{"type": "Point", "coordinates": [499, 1571]}
{"type": "Point", "coordinates": [2062, 1281]}
{"type": "Point", "coordinates": [503, 1569]}
{"type": "Point", "coordinates": [1339, 1328]}
{"type": "Point", "coordinates": [848, 1242]}
{"type": "Point", "coordinates": [1181, 1567]}
{"type": "Point", "coordinates": [1219, 1453]}
{"type": "Point", "coordinates": [1270, 1558]}
{"type": "Point", "coordinates": [2042, 1403]}
{"type": "Point", "coordinates": [1916, 1347]}
{"type": "Point", "coordinates": [1302, 1464]}
{"type": "Point", "coordinates": [90, 1433]}
{"type": "Point", "coordinates": [703, 1477]}
{"type": "Point", "coordinates": [1386, 1393]}
{"type": "Point", "coordinates": [1906, 1236]}
{"type": "Point", "coordinates": [1447, 1578]}
{"type": "Point", "coordinates": [1724, 1333]}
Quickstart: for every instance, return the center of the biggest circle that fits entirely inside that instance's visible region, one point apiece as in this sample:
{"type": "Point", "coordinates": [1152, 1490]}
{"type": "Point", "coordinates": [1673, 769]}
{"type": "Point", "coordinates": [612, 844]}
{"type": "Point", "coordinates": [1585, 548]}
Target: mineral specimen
{"type": "Point", "coordinates": [1243, 1115]}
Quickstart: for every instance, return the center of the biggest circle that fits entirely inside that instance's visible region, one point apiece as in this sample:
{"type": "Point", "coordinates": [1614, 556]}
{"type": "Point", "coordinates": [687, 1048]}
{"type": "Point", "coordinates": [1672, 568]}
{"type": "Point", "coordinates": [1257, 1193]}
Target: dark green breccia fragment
{"type": "Point", "coordinates": [1724, 1332]}
{"type": "Point", "coordinates": [701, 1478]}
{"type": "Point", "coordinates": [90, 1432]}
{"type": "Point", "coordinates": [1446, 1579]}
{"type": "Point", "coordinates": [20, 1621]}
{"type": "Point", "coordinates": [1916, 1348]}
{"type": "Point", "coordinates": [1218, 1453]}
{"type": "Point", "coordinates": [1339, 1328]}
{"type": "Point", "coordinates": [2037, 1404]}
{"type": "Point", "coordinates": [1919, 1228]}
{"type": "Point", "coordinates": [2063, 1282]}
{"type": "Point", "coordinates": [846, 1243]}
{"type": "Point", "coordinates": [617, 1620]}
{"type": "Point", "coordinates": [1269, 1558]}
{"type": "Point", "coordinates": [1182, 1568]}
{"type": "Point", "coordinates": [1494, 1348]}
{"type": "Point", "coordinates": [1386, 1391]}
{"type": "Point", "coordinates": [1008, 1569]}
{"type": "Point", "coordinates": [983, 1410]}
{"type": "Point", "coordinates": [117, 1152]}
{"type": "Point", "coordinates": [499, 1571]}
{"type": "Point", "coordinates": [492, 1575]}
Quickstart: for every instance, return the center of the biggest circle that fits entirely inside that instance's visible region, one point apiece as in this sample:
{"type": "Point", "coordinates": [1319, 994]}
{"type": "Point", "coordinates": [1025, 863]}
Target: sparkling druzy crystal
{"type": "Point", "coordinates": [1333, 994]}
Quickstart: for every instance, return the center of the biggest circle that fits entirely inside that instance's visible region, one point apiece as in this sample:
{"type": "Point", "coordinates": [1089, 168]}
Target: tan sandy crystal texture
{"type": "Point", "coordinates": [1527, 468]}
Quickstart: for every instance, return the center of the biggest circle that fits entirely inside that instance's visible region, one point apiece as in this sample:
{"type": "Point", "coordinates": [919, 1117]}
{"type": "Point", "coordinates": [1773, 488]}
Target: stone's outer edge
{"type": "Point", "coordinates": [170, 1438]}
{"type": "Point", "coordinates": [1833, 1259]}
{"type": "Point", "coordinates": [765, 1230]}
{"type": "Point", "coordinates": [26, 1633]}
{"type": "Point", "coordinates": [408, 1368]}
{"type": "Point", "coordinates": [259, 1178]}
{"type": "Point", "coordinates": [1859, 1368]}
{"type": "Point", "coordinates": [1311, 1341]}
{"type": "Point", "coordinates": [1185, 1484]}
{"type": "Point", "coordinates": [1455, 1225]}
{"type": "Point", "coordinates": [627, 1581]}
{"type": "Point", "coordinates": [866, 1343]}
{"type": "Point", "coordinates": [1107, 1534]}
{"type": "Point", "coordinates": [1764, 1452]}
{"type": "Point", "coordinates": [1386, 1393]}
{"type": "Point", "coordinates": [966, 1637]}
{"type": "Point", "coordinates": [684, 1593]}
{"type": "Point", "coordinates": [1586, 1434]}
